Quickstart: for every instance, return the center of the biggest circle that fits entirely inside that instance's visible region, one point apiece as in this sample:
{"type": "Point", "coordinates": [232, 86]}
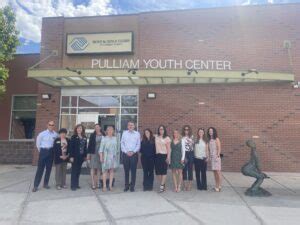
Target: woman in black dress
{"type": "Point", "coordinates": [147, 158]}
{"type": "Point", "coordinates": [78, 154]}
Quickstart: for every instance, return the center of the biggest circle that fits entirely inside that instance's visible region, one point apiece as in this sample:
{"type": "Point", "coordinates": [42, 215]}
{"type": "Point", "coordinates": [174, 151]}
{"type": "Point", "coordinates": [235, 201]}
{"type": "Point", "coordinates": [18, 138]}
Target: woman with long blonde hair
{"type": "Point", "coordinates": [177, 160]}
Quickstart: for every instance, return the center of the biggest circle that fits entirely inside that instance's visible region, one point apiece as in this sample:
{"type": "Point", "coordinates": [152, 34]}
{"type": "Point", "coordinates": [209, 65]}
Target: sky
{"type": "Point", "coordinates": [29, 13]}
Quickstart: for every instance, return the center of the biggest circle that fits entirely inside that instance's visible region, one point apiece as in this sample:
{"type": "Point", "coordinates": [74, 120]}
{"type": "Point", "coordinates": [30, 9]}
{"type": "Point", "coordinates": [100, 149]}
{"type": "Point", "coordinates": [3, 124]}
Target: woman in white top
{"type": "Point", "coordinates": [200, 159]}
{"type": "Point", "coordinates": [188, 146]}
{"type": "Point", "coordinates": [162, 157]}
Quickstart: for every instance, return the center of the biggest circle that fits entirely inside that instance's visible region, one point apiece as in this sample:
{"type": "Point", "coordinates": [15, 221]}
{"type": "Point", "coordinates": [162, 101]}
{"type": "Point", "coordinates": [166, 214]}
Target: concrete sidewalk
{"type": "Point", "coordinates": [18, 205]}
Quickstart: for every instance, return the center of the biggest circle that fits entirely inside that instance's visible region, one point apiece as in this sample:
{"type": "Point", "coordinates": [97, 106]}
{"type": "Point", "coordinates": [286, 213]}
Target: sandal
{"type": "Point", "coordinates": [178, 189]}
{"type": "Point", "coordinates": [162, 188]}
{"type": "Point", "coordinates": [216, 189]}
{"type": "Point", "coordinates": [104, 189]}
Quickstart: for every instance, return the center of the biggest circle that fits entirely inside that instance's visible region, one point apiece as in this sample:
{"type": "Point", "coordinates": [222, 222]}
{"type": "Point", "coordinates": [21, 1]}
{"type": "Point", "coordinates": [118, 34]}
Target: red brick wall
{"type": "Point", "coordinates": [250, 37]}
{"type": "Point", "coordinates": [16, 152]}
{"type": "Point", "coordinates": [17, 83]}
{"type": "Point", "coordinates": [238, 112]}
{"type": "Point", "coordinates": [52, 39]}
{"type": "Point", "coordinates": [47, 110]}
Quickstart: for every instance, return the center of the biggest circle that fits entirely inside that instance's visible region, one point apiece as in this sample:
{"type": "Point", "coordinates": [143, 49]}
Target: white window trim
{"type": "Point", "coordinates": [11, 112]}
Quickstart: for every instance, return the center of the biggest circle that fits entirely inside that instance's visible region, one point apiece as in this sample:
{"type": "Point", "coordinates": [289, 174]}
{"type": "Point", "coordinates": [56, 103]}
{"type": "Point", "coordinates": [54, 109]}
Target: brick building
{"type": "Point", "coordinates": [14, 147]}
{"type": "Point", "coordinates": [234, 68]}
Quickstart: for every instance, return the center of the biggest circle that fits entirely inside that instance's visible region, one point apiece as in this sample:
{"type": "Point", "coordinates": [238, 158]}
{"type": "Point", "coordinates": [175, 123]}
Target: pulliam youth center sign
{"type": "Point", "coordinates": [196, 64]}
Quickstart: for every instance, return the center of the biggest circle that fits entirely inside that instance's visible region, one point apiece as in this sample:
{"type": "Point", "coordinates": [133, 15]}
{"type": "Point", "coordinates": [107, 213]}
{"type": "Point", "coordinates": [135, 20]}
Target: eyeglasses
{"type": "Point", "coordinates": [51, 125]}
{"type": "Point", "coordinates": [186, 129]}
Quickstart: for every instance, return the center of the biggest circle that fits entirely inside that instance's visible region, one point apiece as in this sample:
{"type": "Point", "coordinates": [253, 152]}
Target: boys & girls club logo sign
{"type": "Point", "coordinates": [100, 43]}
{"type": "Point", "coordinates": [79, 43]}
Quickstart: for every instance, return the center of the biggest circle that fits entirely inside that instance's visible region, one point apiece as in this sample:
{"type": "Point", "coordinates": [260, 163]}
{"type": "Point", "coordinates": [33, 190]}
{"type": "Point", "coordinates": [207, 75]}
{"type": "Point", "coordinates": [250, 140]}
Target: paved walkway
{"type": "Point", "coordinates": [18, 205]}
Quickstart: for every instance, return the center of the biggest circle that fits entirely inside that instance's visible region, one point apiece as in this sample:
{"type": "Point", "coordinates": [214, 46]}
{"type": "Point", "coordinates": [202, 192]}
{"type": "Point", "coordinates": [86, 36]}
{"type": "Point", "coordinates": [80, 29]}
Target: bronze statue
{"type": "Point", "coordinates": [252, 169]}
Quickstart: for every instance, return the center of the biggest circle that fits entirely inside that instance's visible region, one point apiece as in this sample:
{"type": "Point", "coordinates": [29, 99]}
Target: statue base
{"type": "Point", "coordinates": [260, 192]}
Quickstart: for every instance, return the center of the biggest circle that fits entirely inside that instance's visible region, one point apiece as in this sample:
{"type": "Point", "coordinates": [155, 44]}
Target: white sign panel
{"type": "Point", "coordinates": [100, 43]}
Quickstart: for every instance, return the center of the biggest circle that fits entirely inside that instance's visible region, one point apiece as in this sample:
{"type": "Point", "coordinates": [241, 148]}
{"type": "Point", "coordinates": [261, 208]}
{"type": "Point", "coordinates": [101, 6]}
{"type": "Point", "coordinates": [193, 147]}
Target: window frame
{"type": "Point", "coordinates": [105, 94]}
{"type": "Point", "coordinates": [11, 113]}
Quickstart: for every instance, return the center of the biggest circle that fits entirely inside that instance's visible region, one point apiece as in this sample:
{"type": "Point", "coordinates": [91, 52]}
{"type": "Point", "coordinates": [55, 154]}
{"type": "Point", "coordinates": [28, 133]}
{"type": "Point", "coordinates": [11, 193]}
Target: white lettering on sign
{"type": "Point", "coordinates": [189, 64]}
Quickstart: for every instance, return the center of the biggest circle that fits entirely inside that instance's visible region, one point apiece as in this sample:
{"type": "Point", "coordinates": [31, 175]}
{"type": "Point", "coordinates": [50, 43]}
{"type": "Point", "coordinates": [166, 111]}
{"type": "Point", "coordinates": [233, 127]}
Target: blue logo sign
{"type": "Point", "coordinates": [79, 43]}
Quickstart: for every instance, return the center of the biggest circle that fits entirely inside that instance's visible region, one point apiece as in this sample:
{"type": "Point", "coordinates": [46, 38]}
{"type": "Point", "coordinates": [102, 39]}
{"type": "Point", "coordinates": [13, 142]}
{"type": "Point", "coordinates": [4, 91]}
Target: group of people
{"type": "Point", "coordinates": [182, 153]}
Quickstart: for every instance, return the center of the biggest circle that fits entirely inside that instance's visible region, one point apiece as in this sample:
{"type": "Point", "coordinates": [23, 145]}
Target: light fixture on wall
{"type": "Point", "coordinates": [249, 71]}
{"type": "Point", "coordinates": [190, 71]}
{"type": "Point", "coordinates": [46, 96]}
{"type": "Point", "coordinates": [73, 70]}
{"type": "Point", "coordinates": [296, 84]}
{"type": "Point", "coordinates": [132, 71]}
{"type": "Point", "coordinates": [151, 95]}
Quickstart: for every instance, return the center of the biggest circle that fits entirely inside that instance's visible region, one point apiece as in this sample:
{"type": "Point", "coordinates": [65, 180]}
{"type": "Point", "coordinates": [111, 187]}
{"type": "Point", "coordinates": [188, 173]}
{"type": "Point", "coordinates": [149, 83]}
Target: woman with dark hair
{"type": "Point", "coordinates": [187, 143]}
{"type": "Point", "coordinates": [200, 159]}
{"type": "Point", "coordinates": [162, 158]}
{"type": "Point", "coordinates": [61, 154]}
{"type": "Point", "coordinates": [78, 153]}
{"type": "Point", "coordinates": [93, 156]}
{"type": "Point", "coordinates": [147, 159]}
{"type": "Point", "coordinates": [214, 147]}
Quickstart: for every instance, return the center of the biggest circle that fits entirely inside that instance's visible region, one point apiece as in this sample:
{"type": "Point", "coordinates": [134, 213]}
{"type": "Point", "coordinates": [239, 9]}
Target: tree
{"type": "Point", "coordinates": [8, 42]}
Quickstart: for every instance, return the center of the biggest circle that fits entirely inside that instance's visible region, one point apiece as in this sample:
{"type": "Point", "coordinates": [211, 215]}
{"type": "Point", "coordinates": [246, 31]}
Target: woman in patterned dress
{"type": "Point", "coordinates": [93, 156]}
{"type": "Point", "coordinates": [109, 156]}
{"type": "Point", "coordinates": [214, 147]}
{"type": "Point", "coordinates": [177, 160]}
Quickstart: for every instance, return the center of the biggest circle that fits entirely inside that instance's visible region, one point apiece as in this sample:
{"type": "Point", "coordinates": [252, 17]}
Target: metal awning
{"type": "Point", "coordinates": [98, 77]}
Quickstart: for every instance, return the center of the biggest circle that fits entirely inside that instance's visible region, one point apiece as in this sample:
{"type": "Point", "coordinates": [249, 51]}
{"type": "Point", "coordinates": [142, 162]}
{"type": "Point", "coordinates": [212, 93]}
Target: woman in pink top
{"type": "Point", "coordinates": [162, 158]}
{"type": "Point", "coordinates": [214, 147]}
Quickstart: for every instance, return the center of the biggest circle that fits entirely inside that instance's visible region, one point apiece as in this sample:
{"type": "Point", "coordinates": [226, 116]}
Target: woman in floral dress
{"type": "Point", "coordinates": [214, 147]}
{"type": "Point", "coordinates": [109, 156]}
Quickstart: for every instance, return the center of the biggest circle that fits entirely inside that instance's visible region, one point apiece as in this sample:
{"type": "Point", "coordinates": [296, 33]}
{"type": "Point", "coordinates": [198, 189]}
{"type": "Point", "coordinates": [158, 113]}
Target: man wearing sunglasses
{"type": "Point", "coordinates": [44, 144]}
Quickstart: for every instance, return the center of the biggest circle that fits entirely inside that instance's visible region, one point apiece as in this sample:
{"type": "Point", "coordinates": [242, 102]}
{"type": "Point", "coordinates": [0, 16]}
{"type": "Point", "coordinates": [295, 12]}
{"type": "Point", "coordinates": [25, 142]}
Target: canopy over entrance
{"type": "Point", "coordinates": [98, 77]}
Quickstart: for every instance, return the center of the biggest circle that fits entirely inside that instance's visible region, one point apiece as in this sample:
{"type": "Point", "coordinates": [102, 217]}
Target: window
{"type": "Point", "coordinates": [23, 117]}
{"type": "Point", "coordinates": [88, 109]}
